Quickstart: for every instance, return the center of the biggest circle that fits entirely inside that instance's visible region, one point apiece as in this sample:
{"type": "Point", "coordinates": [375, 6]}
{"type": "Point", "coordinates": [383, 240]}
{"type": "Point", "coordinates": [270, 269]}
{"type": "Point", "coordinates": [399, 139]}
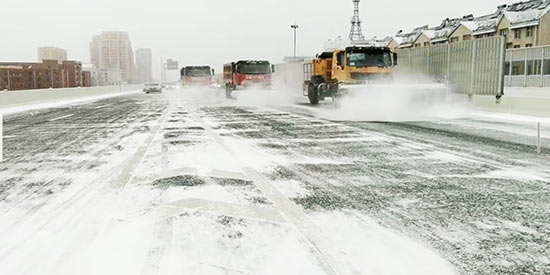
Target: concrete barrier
{"type": "Point", "coordinates": [13, 100]}
{"type": "Point", "coordinates": [520, 101]}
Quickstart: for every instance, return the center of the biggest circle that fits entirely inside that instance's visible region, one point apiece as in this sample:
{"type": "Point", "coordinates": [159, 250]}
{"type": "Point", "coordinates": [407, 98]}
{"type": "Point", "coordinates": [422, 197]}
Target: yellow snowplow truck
{"type": "Point", "coordinates": [330, 72]}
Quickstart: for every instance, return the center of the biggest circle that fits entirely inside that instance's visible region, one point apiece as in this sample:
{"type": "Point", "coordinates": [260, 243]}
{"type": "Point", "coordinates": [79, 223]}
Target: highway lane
{"type": "Point", "coordinates": [132, 184]}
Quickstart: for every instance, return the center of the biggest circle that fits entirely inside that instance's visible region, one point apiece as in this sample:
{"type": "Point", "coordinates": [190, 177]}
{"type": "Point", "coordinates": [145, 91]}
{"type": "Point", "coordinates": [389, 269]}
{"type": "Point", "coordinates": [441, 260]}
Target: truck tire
{"type": "Point", "coordinates": [313, 93]}
{"type": "Point", "coordinates": [313, 89]}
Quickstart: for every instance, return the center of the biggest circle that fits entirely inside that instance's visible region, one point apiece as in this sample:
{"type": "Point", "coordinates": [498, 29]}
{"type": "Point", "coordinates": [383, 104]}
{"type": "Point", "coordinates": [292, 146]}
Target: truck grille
{"type": "Point", "coordinates": [366, 76]}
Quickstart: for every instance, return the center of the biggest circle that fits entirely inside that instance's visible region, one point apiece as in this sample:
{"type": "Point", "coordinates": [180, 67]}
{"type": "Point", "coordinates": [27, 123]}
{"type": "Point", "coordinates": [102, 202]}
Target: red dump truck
{"type": "Point", "coordinates": [197, 76]}
{"type": "Point", "coordinates": [246, 73]}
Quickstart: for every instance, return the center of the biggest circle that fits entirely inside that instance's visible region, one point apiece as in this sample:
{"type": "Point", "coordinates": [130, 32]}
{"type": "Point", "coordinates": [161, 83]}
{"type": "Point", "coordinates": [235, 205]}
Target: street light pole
{"type": "Point", "coordinates": [295, 28]}
{"type": "Point", "coordinates": [161, 69]}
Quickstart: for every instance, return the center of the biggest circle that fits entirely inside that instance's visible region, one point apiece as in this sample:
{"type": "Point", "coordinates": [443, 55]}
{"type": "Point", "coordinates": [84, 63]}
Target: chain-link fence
{"type": "Point", "coordinates": [469, 67]}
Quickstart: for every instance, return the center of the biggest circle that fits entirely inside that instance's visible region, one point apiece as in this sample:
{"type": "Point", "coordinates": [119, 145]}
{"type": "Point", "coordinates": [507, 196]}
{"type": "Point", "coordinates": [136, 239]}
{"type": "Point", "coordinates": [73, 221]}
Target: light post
{"type": "Point", "coordinates": [161, 70]}
{"type": "Point", "coordinates": [295, 28]}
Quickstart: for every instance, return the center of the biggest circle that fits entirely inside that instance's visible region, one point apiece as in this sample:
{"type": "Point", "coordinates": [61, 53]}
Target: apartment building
{"type": "Point", "coordinates": [113, 50]}
{"type": "Point", "coordinates": [525, 24]}
{"type": "Point", "coordinates": [528, 24]}
{"type": "Point", "coordinates": [52, 53]}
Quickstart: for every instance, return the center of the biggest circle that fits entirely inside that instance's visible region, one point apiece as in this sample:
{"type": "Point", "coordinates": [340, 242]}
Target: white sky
{"type": "Point", "coordinates": [211, 32]}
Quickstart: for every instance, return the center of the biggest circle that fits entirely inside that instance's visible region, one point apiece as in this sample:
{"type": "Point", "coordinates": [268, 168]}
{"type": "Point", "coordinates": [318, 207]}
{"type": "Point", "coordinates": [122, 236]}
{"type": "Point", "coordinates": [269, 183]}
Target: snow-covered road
{"type": "Point", "coordinates": [189, 182]}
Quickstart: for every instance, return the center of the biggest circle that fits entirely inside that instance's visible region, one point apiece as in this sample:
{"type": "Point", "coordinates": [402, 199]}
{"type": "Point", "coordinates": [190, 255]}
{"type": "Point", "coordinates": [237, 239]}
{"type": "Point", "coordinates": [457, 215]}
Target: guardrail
{"type": "Point", "coordinates": [22, 98]}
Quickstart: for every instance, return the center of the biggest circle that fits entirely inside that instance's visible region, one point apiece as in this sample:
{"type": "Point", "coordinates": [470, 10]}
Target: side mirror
{"type": "Point", "coordinates": [272, 68]}
{"type": "Point", "coordinates": [394, 59]}
{"type": "Point", "coordinates": [213, 72]}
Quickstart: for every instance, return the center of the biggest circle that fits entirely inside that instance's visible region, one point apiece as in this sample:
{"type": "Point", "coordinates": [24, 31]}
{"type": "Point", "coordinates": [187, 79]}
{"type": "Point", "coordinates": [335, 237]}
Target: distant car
{"type": "Point", "coordinates": [152, 88]}
{"type": "Point", "coordinates": [169, 86]}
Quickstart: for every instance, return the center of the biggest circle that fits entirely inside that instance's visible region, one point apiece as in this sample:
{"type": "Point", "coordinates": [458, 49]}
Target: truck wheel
{"type": "Point", "coordinates": [313, 93]}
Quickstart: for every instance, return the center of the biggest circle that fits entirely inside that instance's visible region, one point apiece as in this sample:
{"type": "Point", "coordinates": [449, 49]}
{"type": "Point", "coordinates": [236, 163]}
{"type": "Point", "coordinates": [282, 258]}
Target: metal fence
{"type": "Point", "coordinates": [469, 67]}
{"type": "Point", "coordinates": [528, 67]}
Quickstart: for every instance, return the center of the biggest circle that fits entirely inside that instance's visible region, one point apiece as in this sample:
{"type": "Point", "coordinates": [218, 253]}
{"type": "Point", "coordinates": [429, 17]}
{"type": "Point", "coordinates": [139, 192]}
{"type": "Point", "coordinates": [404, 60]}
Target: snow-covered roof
{"type": "Point", "coordinates": [486, 23]}
{"type": "Point", "coordinates": [528, 5]}
{"type": "Point", "coordinates": [406, 39]}
{"type": "Point", "coordinates": [429, 33]}
{"type": "Point", "coordinates": [524, 14]}
{"type": "Point", "coordinates": [442, 34]}
{"type": "Point", "coordinates": [443, 31]}
{"type": "Point", "coordinates": [482, 26]}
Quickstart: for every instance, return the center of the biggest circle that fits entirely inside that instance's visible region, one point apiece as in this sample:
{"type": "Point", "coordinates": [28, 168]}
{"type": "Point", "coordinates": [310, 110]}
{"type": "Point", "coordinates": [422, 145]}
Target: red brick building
{"type": "Point", "coordinates": [48, 74]}
{"type": "Point", "coordinates": [86, 79]}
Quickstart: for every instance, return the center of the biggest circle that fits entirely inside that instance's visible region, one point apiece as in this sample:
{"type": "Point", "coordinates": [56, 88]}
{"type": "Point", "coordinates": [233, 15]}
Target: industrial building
{"type": "Point", "coordinates": [48, 74]}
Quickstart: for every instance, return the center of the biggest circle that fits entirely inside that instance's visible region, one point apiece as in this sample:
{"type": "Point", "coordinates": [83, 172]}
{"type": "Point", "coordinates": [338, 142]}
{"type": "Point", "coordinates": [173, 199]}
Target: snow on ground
{"type": "Point", "coordinates": [190, 182]}
{"type": "Point", "coordinates": [364, 247]}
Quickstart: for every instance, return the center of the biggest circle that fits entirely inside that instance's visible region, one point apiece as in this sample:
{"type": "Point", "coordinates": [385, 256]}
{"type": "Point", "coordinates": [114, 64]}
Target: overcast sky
{"type": "Point", "coordinates": [211, 32]}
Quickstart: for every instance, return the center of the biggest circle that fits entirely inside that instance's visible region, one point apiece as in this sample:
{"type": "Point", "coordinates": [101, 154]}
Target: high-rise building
{"type": "Point", "coordinates": [113, 50]}
{"type": "Point", "coordinates": [144, 61]}
{"type": "Point", "coordinates": [52, 53]}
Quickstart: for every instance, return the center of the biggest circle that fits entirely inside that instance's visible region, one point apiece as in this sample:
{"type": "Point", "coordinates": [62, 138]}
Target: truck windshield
{"type": "Point", "coordinates": [248, 68]}
{"type": "Point", "coordinates": [364, 59]}
{"type": "Point", "coordinates": [198, 71]}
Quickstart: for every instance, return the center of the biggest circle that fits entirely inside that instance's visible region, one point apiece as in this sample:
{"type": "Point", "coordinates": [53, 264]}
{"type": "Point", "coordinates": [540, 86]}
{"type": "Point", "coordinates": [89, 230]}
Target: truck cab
{"type": "Point", "coordinates": [246, 73]}
{"type": "Point", "coordinates": [354, 65]}
{"type": "Point", "coordinates": [197, 76]}
{"type": "Point", "coordinates": [358, 65]}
